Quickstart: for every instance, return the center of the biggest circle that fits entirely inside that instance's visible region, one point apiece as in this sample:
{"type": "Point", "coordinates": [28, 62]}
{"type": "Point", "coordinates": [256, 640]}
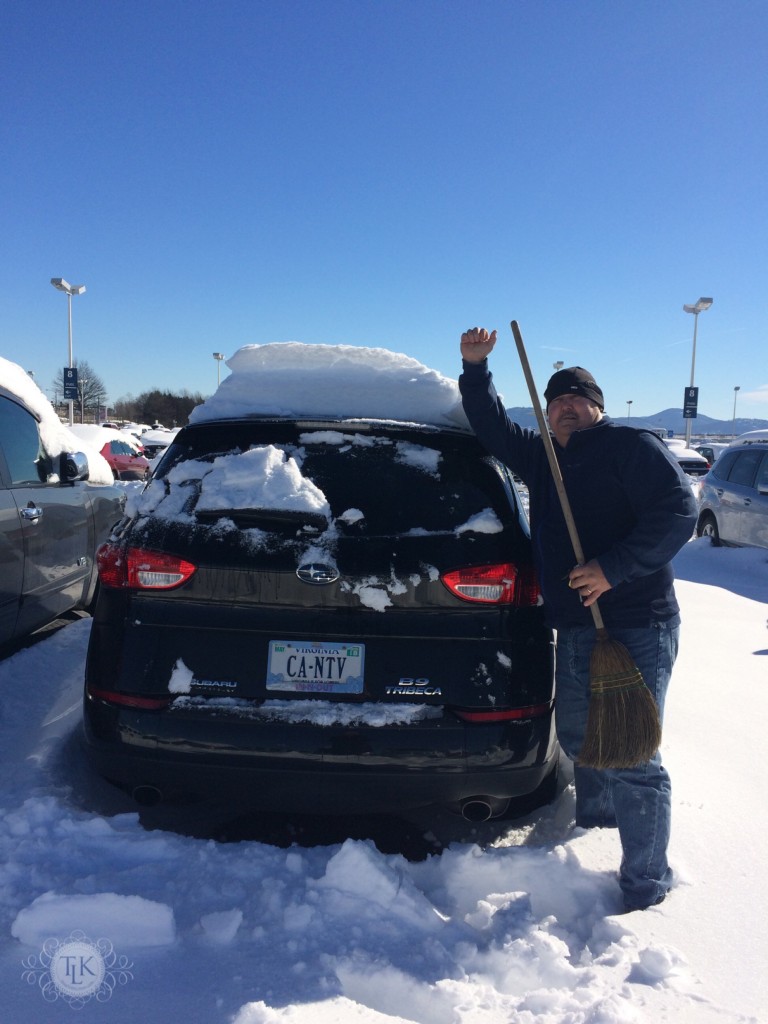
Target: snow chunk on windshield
{"type": "Point", "coordinates": [419, 457]}
{"type": "Point", "coordinates": [262, 477]}
{"type": "Point", "coordinates": [483, 522]}
{"type": "Point", "coordinates": [336, 437]}
{"type": "Point", "coordinates": [406, 452]}
{"type": "Point", "coordinates": [292, 379]}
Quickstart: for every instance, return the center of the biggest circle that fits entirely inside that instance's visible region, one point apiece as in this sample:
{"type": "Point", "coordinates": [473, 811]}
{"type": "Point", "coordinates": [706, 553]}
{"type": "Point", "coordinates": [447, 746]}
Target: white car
{"type": "Point", "coordinates": [751, 437]}
{"type": "Point", "coordinates": [156, 441]}
{"type": "Point", "coordinates": [691, 462]}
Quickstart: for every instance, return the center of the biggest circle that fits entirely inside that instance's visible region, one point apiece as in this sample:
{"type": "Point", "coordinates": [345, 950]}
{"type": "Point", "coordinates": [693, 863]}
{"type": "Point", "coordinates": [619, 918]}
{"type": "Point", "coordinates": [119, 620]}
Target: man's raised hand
{"type": "Point", "coordinates": [477, 344]}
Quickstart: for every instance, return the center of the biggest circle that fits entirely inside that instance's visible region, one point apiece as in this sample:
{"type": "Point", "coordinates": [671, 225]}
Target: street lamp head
{"type": "Point", "coordinates": [700, 306]}
{"type": "Point", "coordinates": [218, 355]}
{"type": "Point", "coordinates": [65, 286]}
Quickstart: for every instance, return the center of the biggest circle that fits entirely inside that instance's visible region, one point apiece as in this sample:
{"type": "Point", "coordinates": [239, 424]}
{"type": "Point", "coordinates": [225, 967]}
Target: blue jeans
{"type": "Point", "coordinates": [637, 801]}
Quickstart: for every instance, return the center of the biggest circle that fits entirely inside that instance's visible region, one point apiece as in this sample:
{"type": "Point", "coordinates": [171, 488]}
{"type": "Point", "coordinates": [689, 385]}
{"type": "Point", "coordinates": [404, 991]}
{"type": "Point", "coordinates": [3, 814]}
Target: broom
{"type": "Point", "coordinates": [623, 727]}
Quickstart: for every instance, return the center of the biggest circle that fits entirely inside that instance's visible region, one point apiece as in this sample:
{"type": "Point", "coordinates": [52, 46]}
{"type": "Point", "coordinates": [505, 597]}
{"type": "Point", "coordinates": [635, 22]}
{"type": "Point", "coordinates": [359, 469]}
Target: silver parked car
{"type": "Point", "coordinates": [52, 520]}
{"type": "Point", "coordinates": [733, 497]}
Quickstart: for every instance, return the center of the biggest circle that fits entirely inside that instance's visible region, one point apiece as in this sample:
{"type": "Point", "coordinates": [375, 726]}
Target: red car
{"type": "Point", "coordinates": [127, 462]}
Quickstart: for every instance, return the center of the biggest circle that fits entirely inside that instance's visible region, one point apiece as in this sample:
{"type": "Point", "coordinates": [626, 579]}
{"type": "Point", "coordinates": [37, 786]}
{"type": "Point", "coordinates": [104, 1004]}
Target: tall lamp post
{"type": "Point", "coordinates": [629, 404]}
{"type": "Point", "coordinates": [736, 391]}
{"type": "Point", "coordinates": [69, 290]}
{"type": "Point", "coordinates": [699, 307]}
{"type": "Point", "coordinates": [218, 356]}
{"type": "Point", "coordinates": [81, 385]}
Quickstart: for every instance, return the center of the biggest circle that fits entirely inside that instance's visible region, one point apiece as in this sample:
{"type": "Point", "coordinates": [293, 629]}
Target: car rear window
{"type": "Point", "coordinates": [365, 482]}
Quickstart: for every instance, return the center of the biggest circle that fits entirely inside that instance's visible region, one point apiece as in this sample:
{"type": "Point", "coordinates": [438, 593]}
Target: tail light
{"type": "Point", "coordinates": [504, 583]}
{"type": "Point", "coordinates": [140, 569]}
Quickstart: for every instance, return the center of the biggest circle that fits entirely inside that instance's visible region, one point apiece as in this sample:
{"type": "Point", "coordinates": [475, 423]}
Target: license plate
{"type": "Point", "coordinates": [323, 667]}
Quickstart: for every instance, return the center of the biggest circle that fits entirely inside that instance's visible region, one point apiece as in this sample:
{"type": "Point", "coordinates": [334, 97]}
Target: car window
{"type": "Point", "coordinates": [745, 467]}
{"type": "Point", "coordinates": [762, 473]}
{"type": "Point", "coordinates": [374, 484]}
{"type": "Point", "coordinates": [428, 490]}
{"type": "Point", "coordinates": [27, 463]}
{"type": "Point", "coordinates": [722, 467]}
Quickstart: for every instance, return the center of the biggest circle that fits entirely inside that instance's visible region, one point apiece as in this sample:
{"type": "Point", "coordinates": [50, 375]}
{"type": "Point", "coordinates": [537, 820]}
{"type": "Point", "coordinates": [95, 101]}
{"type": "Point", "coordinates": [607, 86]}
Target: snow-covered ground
{"type": "Point", "coordinates": [515, 924]}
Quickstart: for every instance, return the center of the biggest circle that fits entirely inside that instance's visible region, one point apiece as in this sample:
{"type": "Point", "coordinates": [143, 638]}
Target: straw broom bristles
{"type": "Point", "coordinates": [623, 726]}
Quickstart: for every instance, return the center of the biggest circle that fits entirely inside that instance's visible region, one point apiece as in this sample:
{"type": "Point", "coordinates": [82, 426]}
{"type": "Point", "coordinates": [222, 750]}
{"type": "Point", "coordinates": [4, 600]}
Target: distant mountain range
{"type": "Point", "coordinates": [669, 420]}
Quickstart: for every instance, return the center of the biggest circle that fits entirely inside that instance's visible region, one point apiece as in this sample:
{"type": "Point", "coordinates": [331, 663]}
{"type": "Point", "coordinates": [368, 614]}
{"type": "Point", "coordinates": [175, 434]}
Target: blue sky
{"type": "Point", "coordinates": [388, 173]}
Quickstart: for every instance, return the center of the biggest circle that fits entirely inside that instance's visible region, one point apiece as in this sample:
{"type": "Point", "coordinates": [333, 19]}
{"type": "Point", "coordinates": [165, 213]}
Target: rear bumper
{"type": "Point", "coordinates": [321, 770]}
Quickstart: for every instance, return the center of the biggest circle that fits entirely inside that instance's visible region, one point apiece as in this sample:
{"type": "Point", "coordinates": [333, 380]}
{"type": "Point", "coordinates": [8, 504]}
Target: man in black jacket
{"type": "Point", "coordinates": [634, 509]}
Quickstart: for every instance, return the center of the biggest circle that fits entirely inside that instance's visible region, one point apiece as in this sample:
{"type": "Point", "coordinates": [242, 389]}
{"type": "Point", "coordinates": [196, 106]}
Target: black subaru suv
{"type": "Point", "coordinates": [323, 617]}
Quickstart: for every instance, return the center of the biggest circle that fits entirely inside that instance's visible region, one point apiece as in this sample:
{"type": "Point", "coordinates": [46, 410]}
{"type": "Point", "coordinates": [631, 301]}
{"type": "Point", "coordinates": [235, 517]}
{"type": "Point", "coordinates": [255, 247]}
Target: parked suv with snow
{"type": "Point", "coordinates": [323, 615]}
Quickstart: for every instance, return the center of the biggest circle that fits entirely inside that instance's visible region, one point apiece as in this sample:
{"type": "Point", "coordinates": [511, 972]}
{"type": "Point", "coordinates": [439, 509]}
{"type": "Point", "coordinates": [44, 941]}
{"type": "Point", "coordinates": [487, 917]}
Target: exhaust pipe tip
{"type": "Point", "coordinates": [482, 808]}
{"type": "Point", "coordinates": [147, 796]}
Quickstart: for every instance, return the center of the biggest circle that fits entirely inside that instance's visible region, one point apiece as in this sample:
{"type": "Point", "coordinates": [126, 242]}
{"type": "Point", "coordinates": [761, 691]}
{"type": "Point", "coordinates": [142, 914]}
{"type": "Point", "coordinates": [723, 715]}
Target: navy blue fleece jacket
{"type": "Point", "coordinates": [632, 504]}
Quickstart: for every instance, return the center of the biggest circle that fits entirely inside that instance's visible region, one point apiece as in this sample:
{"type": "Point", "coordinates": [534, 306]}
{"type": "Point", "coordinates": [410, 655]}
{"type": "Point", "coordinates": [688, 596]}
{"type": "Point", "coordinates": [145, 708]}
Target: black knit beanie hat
{"type": "Point", "coordinates": [574, 380]}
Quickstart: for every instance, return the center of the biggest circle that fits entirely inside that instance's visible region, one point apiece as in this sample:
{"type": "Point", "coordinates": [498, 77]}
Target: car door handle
{"type": "Point", "coordinates": [747, 501]}
{"type": "Point", "coordinates": [31, 512]}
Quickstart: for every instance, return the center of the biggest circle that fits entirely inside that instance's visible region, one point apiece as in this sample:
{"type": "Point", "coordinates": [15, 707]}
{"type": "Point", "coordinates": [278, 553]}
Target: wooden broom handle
{"type": "Point", "coordinates": [554, 465]}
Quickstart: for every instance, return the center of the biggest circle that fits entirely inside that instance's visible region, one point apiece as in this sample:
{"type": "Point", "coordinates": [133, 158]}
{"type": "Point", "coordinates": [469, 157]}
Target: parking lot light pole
{"type": "Point", "coordinates": [699, 307]}
{"type": "Point", "coordinates": [629, 404]}
{"type": "Point", "coordinates": [81, 385]}
{"type": "Point", "coordinates": [736, 391]}
{"type": "Point", "coordinates": [218, 356]}
{"type": "Point", "coordinates": [69, 290]}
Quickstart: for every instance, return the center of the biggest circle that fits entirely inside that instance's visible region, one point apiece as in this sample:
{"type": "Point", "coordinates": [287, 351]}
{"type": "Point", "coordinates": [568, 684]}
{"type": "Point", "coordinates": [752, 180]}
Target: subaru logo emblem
{"type": "Point", "coordinates": [315, 572]}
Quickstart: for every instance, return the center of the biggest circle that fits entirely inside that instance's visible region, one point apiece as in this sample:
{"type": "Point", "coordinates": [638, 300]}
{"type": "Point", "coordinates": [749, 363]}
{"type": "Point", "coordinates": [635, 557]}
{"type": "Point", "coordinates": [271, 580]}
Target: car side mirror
{"type": "Point", "coordinates": [73, 466]}
{"type": "Point", "coordinates": [762, 488]}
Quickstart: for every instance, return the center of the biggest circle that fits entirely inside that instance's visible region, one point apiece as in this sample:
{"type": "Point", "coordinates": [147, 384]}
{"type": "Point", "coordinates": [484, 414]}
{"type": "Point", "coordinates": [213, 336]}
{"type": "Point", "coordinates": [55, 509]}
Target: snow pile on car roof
{"type": "Point", "coordinates": [292, 379]}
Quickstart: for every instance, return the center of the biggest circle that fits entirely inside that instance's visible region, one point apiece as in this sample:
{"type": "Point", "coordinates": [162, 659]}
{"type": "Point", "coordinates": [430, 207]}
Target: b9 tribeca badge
{"type": "Point", "coordinates": [407, 687]}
